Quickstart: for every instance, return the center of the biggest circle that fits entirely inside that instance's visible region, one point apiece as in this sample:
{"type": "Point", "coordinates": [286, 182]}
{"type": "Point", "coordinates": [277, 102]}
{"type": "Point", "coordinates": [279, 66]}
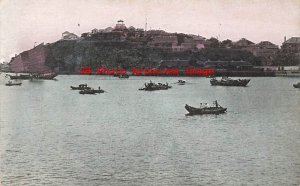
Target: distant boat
{"type": "Point", "coordinates": [229, 82]}
{"type": "Point", "coordinates": [181, 82]}
{"type": "Point", "coordinates": [21, 76]}
{"type": "Point", "coordinates": [204, 109]}
{"type": "Point", "coordinates": [296, 85]}
{"type": "Point", "coordinates": [81, 87]}
{"type": "Point", "coordinates": [47, 76]}
{"type": "Point", "coordinates": [123, 76]}
{"type": "Point", "coordinates": [10, 83]}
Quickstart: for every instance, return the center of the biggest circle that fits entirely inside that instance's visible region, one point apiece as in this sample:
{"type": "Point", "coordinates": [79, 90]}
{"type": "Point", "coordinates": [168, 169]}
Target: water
{"type": "Point", "coordinates": [51, 135]}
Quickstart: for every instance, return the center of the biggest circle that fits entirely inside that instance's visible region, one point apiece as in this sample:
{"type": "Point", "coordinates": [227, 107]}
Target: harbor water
{"type": "Point", "coordinates": [52, 135]}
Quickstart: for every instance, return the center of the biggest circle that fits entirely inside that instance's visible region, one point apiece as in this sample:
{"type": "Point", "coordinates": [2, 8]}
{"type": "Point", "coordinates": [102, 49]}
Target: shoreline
{"type": "Point", "coordinates": [182, 74]}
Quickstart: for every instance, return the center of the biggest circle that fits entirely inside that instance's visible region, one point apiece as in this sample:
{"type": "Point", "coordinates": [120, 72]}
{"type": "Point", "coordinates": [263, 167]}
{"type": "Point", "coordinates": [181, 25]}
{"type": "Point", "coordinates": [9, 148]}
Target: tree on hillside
{"type": "Point", "coordinates": [212, 43]}
{"type": "Point", "coordinates": [226, 43]}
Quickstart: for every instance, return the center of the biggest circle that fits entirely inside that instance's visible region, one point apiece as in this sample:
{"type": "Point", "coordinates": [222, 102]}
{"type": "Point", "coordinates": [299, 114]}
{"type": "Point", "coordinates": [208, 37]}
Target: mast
{"type": "Point", "coordinates": [146, 26]}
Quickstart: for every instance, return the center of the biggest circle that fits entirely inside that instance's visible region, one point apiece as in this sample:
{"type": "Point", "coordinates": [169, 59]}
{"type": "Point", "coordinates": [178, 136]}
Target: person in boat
{"type": "Point", "coordinates": [99, 88]}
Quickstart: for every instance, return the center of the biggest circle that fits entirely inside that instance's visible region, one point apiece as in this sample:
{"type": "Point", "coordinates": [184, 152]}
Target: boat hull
{"type": "Point", "coordinates": [21, 77]}
{"type": "Point", "coordinates": [296, 85]}
{"type": "Point", "coordinates": [123, 76]}
{"type": "Point", "coordinates": [91, 91]}
{"type": "Point", "coordinates": [153, 86]}
{"type": "Point", "coordinates": [39, 76]}
{"type": "Point", "coordinates": [207, 110]}
{"type": "Point", "coordinates": [80, 88]}
{"type": "Point", "coordinates": [45, 76]}
{"type": "Point", "coordinates": [13, 84]}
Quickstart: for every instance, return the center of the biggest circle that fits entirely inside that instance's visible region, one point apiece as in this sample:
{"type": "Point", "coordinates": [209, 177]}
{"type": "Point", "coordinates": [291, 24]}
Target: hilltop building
{"type": "Point", "coordinates": [120, 26]}
{"type": "Point", "coordinates": [242, 44]}
{"type": "Point", "coordinates": [291, 45]}
{"type": "Point", "coordinates": [108, 29]}
{"type": "Point", "coordinates": [166, 42]}
{"type": "Point", "coordinates": [69, 36]}
{"type": "Point", "coordinates": [290, 52]}
{"type": "Point", "coordinates": [4, 67]}
{"type": "Point", "coordinates": [172, 42]}
{"type": "Point", "coordinates": [265, 49]}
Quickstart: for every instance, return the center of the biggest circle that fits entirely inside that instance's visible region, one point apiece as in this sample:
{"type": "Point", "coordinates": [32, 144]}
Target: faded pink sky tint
{"type": "Point", "coordinates": [24, 22]}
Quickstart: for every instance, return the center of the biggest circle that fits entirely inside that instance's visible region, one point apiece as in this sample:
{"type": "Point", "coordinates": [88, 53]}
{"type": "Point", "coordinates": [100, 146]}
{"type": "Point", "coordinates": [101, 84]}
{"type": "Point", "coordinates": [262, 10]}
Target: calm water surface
{"type": "Point", "coordinates": [51, 135]}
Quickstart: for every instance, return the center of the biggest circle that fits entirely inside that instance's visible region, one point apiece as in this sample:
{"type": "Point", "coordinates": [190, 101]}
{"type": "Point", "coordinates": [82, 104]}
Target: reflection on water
{"type": "Point", "coordinates": [51, 135]}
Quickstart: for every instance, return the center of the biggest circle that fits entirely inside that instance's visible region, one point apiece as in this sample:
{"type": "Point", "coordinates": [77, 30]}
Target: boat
{"type": "Point", "coordinates": [10, 83]}
{"type": "Point", "coordinates": [81, 87]}
{"type": "Point", "coordinates": [48, 76]}
{"type": "Point", "coordinates": [123, 76]}
{"type": "Point", "coordinates": [296, 85]}
{"type": "Point", "coordinates": [181, 82]}
{"type": "Point", "coordinates": [91, 91]}
{"type": "Point", "coordinates": [153, 86]}
{"type": "Point", "coordinates": [225, 81]}
{"type": "Point", "coordinates": [21, 76]}
{"type": "Point", "coordinates": [204, 109]}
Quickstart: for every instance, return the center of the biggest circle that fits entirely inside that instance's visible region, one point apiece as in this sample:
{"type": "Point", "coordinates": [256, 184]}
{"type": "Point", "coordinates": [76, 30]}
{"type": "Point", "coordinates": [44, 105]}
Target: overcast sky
{"type": "Point", "coordinates": [24, 22]}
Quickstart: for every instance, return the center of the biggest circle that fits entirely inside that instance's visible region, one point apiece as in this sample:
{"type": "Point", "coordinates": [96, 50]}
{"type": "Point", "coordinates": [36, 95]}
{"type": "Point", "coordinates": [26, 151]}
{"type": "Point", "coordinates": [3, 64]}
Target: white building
{"type": "Point", "coordinates": [68, 36]}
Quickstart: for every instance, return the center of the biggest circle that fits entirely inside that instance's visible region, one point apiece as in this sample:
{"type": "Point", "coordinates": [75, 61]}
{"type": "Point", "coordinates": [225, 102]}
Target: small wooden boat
{"type": "Point", "coordinates": [81, 87]}
{"type": "Point", "coordinates": [91, 91]}
{"type": "Point", "coordinates": [10, 83]}
{"type": "Point", "coordinates": [296, 85]}
{"type": "Point", "coordinates": [123, 76]}
{"type": "Point", "coordinates": [204, 109]}
{"type": "Point", "coordinates": [229, 82]}
{"type": "Point", "coordinates": [153, 86]}
{"type": "Point", "coordinates": [181, 82]}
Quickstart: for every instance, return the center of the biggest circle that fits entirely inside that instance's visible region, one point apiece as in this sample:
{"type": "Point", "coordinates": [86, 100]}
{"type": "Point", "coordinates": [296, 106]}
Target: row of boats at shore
{"type": "Point", "coordinates": [46, 76]}
{"type": "Point", "coordinates": [49, 76]}
{"type": "Point", "coordinates": [225, 81]}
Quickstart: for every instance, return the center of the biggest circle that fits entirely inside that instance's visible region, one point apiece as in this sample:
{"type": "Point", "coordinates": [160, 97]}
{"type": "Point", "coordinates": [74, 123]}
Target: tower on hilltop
{"type": "Point", "coordinates": [120, 26]}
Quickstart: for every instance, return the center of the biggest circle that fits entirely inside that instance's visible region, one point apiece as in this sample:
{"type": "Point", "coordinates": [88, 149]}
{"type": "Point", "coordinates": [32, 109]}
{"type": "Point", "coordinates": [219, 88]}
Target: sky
{"type": "Point", "coordinates": [26, 22]}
